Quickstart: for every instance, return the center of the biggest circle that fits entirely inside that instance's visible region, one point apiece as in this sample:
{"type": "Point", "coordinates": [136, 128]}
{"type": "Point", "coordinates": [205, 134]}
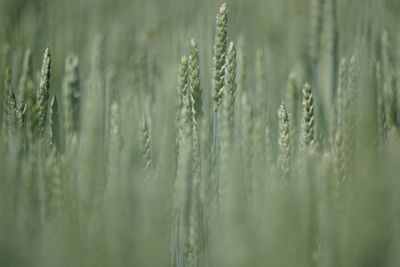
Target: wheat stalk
{"type": "Point", "coordinates": [181, 92]}
{"type": "Point", "coordinates": [247, 128]}
{"type": "Point", "coordinates": [315, 30]}
{"type": "Point", "coordinates": [196, 207]}
{"type": "Point", "coordinates": [260, 82]}
{"type": "Point", "coordinates": [390, 93]}
{"type": "Point", "coordinates": [179, 246]}
{"type": "Point", "coordinates": [115, 144]}
{"type": "Point", "coordinates": [227, 121]}
{"type": "Point", "coordinates": [294, 106]}
{"type": "Point", "coordinates": [269, 150]}
{"type": "Point", "coordinates": [349, 119]}
{"type": "Point", "coordinates": [381, 116]}
{"type": "Point", "coordinates": [339, 118]}
{"type": "Point", "coordinates": [54, 124]}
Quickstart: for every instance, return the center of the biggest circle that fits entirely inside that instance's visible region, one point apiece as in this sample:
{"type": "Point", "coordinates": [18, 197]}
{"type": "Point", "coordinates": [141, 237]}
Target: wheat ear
{"type": "Point", "coordinates": [43, 94]}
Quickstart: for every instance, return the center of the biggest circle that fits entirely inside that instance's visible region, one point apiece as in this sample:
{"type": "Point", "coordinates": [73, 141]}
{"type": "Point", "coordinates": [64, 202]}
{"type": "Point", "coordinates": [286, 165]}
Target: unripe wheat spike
{"type": "Point", "coordinates": [182, 88]}
{"type": "Point", "coordinates": [230, 84]}
{"type": "Point", "coordinates": [194, 79]}
{"type": "Point", "coordinates": [181, 91]}
{"type": "Point", "coordinates": [307, 134]}
{"type": "Point", "coordinates": [145, 144]}
{"type": "Point", "coordinates": [284, 142]}
{"type": "Point", "coordinates": [43, 94]}
{"type": "Point", "coordinates": [20, 114]}
{"type": "Point", "coordinates": [221, 35]}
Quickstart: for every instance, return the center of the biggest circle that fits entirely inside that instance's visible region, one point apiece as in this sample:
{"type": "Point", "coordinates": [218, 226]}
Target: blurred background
{"type": "Point", "coordinates": [164, 27]}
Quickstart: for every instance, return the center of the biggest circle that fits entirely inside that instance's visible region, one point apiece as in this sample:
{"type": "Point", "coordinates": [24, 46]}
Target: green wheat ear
{"type": "Point", "coordinates": [182, 87]}
{"type": "Point", "coordinates": [221, 36]}
{"type": "Point", "coordinates": [145, 144]}
{"type": "Point", "coordinates": [181, 91]}
{"type": "Point", "coordinates": [307, 134]}
{"type": "Point", "coordinates": [227, 122]}
{"type": "Point", "coordinates": [284, 142]}
{"type": "Point", "coordinates": [230, 84]}
{"type": "Point", "coordinates": [194, 79]}
{"type": "Point", "coordinates": [20, 113]}
{"type": "Point", "coordinates": [43, 94]}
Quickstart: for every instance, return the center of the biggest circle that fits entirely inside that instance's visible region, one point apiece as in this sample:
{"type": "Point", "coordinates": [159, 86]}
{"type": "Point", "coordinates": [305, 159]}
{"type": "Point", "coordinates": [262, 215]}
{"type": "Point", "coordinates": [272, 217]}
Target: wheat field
{"type": "Point", "coordinates": [200, 133]}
